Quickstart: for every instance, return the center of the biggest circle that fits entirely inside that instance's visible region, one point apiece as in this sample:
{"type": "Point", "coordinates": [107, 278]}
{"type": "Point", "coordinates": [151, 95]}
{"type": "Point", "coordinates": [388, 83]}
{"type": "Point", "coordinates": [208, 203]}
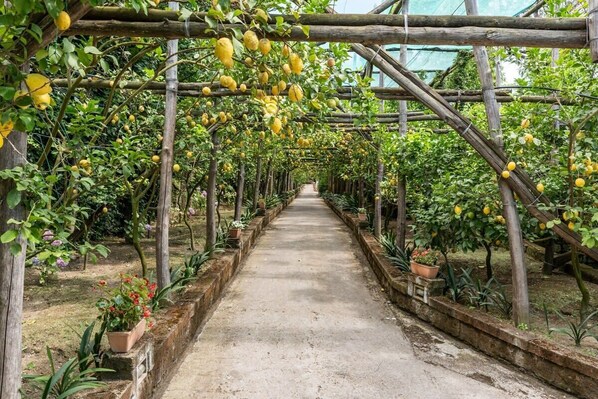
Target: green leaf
{"type": "Point", "coordinates": [13, 198]}
{"type": "Point", "coordinates": [7, 92]}
{"type": "Point", "coordinates": [15, 249]}
{"type": "Point", "coordinates": [305, 29]}
{"type": "Point", "coordinates": [8, 236]}
{"type": "Point", "coordinates": [92, 50]}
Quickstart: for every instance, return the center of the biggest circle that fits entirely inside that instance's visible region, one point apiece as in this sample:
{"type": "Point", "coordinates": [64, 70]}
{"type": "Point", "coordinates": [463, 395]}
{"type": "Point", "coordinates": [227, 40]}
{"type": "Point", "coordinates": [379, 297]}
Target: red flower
{"type": "Point", "coordinates": [147, 313]}
{"type": "Point", "coordinates": [151, 295]}
{"type": "Point", "coordinates": [136, 301]}
{"type": "Point", "coordinates": [153, 286]}
{"type": "Point", "coordinates": [151, 324]}
{"type": "Point", "coordinates": [112, 308]}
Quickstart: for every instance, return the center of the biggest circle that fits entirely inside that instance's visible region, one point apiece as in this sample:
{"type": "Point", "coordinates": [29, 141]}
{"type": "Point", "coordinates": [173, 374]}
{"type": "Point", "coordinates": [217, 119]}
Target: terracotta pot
{"type": "Point", "coordinates": [362, 217]}
{"type": "Point", "coordinates": [234, 233]}
{"type": "Point", "coordinates": [424, 270]}
{"type": "Point", "coordinates": [123, 341]}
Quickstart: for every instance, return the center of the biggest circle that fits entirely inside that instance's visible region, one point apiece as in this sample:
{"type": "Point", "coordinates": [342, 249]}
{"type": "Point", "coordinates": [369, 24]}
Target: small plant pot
{"type": "Point", "coordinates": [234, 233]}
{"type": "Point", "coordinates": [425, 271]}
{"type": "Point", "coordinates": [362, 217]}
{"type": "Point", "coordinates": [123, 341]}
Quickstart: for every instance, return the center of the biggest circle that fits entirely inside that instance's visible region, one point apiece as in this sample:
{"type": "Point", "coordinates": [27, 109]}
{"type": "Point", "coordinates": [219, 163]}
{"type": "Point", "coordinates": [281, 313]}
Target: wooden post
{"type": "Point", "coordinates": [593, 28]}
{"type": "Point", "coordinates": [240, 190]}
{"type": "Point", "coordinates": [12, 270]}
{"type": "Point", "coordinates": [166, 157]}
{"type": "Point", "coordinates": [12, 273]}
{"type": "Point", "coordinates": [401, 181]}
{"type": "Point", "coordinates": [211, 232]}
{"type": "Point", "coordinates": [379, 174]}
{"type": "Point", "coordinates": [258, 177]}
{"type": "Point", "coordinates": [516, 247]}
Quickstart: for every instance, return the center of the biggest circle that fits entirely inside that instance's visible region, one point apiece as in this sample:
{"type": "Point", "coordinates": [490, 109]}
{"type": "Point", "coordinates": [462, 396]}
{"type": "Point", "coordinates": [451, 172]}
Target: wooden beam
{"type": "Point", "coordinates": [384, 6]}
{"type": "Point", "coordinates": [118, 14]}
{"type": "Point", "coordinates": [370, 34]}
{"type": "Point", "coordinates": [385, 93]}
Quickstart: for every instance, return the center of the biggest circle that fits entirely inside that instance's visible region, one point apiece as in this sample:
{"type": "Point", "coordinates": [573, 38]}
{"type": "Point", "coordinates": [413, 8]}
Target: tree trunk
{"type": "Point", "coordinates": [166, 156]}
{"type": "Point", "coordinates": [516, 247]}
{"type": "Point", "coordinates": [258, 178]}
{"type": "Point", "coordinates": [378, 201]}
{"type": "Point", "coordinates": [211, 233]}
{"type": "Point", "coordinates": [12, 273]}
{"type": "Point", "coordinates": [401, 181]}
{"type": "Point", "coordinates": [240, 190]}
{"type": "Point", "coordinates": [489, 272]}
{"type": "Point", "coordinates": [361, 193]}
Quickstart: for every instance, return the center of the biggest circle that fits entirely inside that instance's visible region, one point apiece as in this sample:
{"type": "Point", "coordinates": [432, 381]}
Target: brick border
{"type": "Point", "coordinates": [557, 365]}
{"type": "Point", "coordinates": [160, 350]}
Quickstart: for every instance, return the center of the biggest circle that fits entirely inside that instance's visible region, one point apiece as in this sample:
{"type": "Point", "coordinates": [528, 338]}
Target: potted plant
{"type": "Point", "coordinates": [234, 230]}
{"type": "Point", "coordinates": [261, 203]}
{"type": "Point", "coordinates": [362, 214]}
{"type": "Point", "coordinates": [423, 262]}
{"type": "Point", "coordinates": [125, 309]}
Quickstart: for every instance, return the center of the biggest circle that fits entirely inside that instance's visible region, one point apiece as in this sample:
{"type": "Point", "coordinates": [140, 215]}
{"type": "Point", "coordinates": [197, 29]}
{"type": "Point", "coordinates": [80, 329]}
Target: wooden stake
{"type": "Point", "coordinates": [211, 232]}
{"type": "Point", "coordinates": [516, 247]}
{"type": "Point", "coordinates": [401, 181]}
{"type": "Point", "coordinates": [593, 28]}
{"type": "Point", "coordinates": [240, 190]}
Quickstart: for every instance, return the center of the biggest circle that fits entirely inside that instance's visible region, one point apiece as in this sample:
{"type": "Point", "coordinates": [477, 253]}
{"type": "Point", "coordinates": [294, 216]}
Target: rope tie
{"type": "Point", "coordinates": [186, 26]}
{"type": "Point", "coordinates": [588, 40]}
{"type": "Point", "coordinates": [376, 54]}
{"type": "Point", "coordinates": [467, 129]}
{"type": "Point", "coordinates": [405, 19]}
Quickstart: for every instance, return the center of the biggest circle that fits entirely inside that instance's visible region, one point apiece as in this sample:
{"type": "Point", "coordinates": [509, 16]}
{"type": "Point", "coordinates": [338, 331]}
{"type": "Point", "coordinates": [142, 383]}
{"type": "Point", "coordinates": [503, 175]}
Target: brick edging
{"type": "Point", "coordinates": [555, 364]}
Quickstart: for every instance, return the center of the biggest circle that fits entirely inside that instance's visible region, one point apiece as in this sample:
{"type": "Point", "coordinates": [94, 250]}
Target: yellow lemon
{"type": "Point", "coordinates": [511, 165]}
{"type": "Point", "coordinates": [6, 128]}
{"type": "Point", "coordinates": [63, 21]}
{"type": "Point", "coordinates": [263, 77]}
{"type": "Point", "coordinates": [224, 51]}
{"type": "Point", "coordinates": [189, 154]}
{"type": "Point", "coordinates": [206, 91]}
{"type": "Point", "coordinates": [276, 125]}
{"type": "Point", "coordinates": [250, 40]}
{"type": "Point", "coordinates": [295, 93]}
{"type": "Point", "coordinates": [38, 84]}
{"type": "Point", "coordinates": [540, 187]}
{"type": "Point", "coordinates": [286, 51]}
{"type": "Point", "coordinates": [579, 182]}
{"type": "Point", "coordinates": [296, 64]}
{"type": "Point", "coordinates": [176, 168]}
{"type": "Point", "coordinates": [458, 210]}
{"type": "Point", "coordinates": [243, 88]}
{"type": "Point", "coordinates": [486, 210]}
{"type": "Point", "coordinates": [265, 46]}
{"type": "Point", "coordinates": [505, 174]}
{"type": "Point", "coordinates": [156, 158]}
{"type": "Point", "coordinates": [525, 123]}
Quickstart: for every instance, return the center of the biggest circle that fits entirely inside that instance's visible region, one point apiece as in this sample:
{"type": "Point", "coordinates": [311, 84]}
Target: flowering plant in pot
{"type": "Point", "coordinates": [125, 309]}
{"type": "Point", "coordinates": [423, 262]}
{"type": "Point", "coordinates": [234, 230]}
{"type": "Point", "coordinates": [362, 214]}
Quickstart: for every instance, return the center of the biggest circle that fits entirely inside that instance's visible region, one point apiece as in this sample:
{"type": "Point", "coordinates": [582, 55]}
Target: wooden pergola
{"type": "Point", "coordinates": [366, 34]}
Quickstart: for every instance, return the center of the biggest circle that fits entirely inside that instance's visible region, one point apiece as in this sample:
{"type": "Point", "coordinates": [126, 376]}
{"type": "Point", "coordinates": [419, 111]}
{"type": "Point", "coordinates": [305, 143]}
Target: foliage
{"type": "Point", "coordinates": [577, 331]}
{"type": "Point", "coordinates": [456, 285]}
{"type": "Point", "coordinates": [424, 256]}
{"type": "Point", "coordinates": [90, 351]}
{"type": "Point", "coordinates": [121, 308]}
{"type": "Point", "coordinates": [399, 257]}
{"type": "Point", "coordinates": [68, 380]}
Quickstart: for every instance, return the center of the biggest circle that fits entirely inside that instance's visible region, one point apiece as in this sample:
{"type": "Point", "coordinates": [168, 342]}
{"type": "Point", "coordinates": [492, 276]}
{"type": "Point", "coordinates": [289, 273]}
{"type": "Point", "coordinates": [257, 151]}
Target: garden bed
{"type": "Point", "coordinates": [547, 358]}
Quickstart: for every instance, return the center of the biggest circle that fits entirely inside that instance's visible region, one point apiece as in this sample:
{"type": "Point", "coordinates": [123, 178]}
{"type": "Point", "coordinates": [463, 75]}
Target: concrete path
{"type": "Point", "coordinates": [304, 318]}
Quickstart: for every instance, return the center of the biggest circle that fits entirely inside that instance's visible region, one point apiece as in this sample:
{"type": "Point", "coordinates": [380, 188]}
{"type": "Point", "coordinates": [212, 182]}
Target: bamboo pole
{"type": "Point", "coordinates": [166, 158]}
{"type": "Point", "coordinates": [516, 247]}
{"type": "Point", "coordinates": [379, 34]}
{"type": "Point", "coordinates": [593, 28]}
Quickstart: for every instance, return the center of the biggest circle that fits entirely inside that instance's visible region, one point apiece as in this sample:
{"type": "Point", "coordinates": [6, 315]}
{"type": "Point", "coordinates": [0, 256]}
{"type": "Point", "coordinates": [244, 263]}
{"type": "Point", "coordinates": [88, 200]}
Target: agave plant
{"type": "Point", "coordinates": [577, 331]}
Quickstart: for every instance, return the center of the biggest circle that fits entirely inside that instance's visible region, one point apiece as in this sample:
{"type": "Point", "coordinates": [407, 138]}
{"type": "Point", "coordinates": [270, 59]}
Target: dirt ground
{"type": "Point", "coordinates": [53, 314]}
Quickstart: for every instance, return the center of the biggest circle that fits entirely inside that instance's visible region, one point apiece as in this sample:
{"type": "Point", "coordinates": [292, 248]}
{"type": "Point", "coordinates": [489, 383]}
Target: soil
{"type": "Point", "coordinates": [54, 314]}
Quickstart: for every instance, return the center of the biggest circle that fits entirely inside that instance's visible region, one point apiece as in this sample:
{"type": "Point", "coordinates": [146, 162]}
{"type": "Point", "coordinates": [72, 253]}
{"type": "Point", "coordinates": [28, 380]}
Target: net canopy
{"type": "Point", "coordinates": [428, 61]}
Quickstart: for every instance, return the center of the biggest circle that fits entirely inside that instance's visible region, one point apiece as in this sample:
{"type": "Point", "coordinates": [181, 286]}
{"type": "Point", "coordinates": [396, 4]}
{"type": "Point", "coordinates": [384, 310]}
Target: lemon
{"type": "Point", "coordinates": [156, 158]}
{"type": "Point", "coordinates": [505, 174]}
{"type": "Point", "coordinates": [458, 210]}
{"type": "Point", "coordinates": [206, 91]}
{"type": "Point", "coordinates": [525, 123]}
{"type": "Point", "coordinates": [6, 128]}
{"type": "Point", "coordinates": [261, 15]}
{"type": "Point", "coordinates": [296, 64]}
{"type": "Point", "coordinates": [275, 90]}
{"type": "Point", "coordinates": [511, 165]}
{"type": "Point", "coordinates": [282, 85]}
{"type": "Point", "coordinates": [131, 118]}
{"type": "Point", "coordinates": [38, 84]}
{"type": "Point", "coordinates": [264, 46]}
{"type": "Point", "coordinates": [189, 154]}
{"type": "Point", "coordinates": [295, 93]}
{"type": "Point", "coordinates": [224, 51]}
{"type": "Point", "coordinates": [286, 50]}
{"type": "Point", "coordinates": [579, 182]}
{"type": "Point", "coordinates": [176, 168]}
{"type": "Point", "coordinates": [263, 77]}
{"type": "Point", "coordinates": [540, 187]}
{"type": "Point", "coordinates": [528, 138]}
{"type": "Point", "coordinates": [243, 88]}
{"type": "Point", "coordinates": [276, 125]}
{"type": "Point", "coordinates": [542, 226]}
{"type": "Point", "coordinates": [141, 108]}
{"type": "Point", "coordinates": [104, 210]}
{"type": "Point", "coordinates": [63, 21]}
{"type": "Point", "coordinates": [222, 116]}
{"type": "Point", "coordinates": [486, 210]}
{"type": "Point", "coordinates": [250, 40]}
{"type": "Point", "coordinates": [286, 69]}
{"type": "Point", "coordinates": [571, 225]}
